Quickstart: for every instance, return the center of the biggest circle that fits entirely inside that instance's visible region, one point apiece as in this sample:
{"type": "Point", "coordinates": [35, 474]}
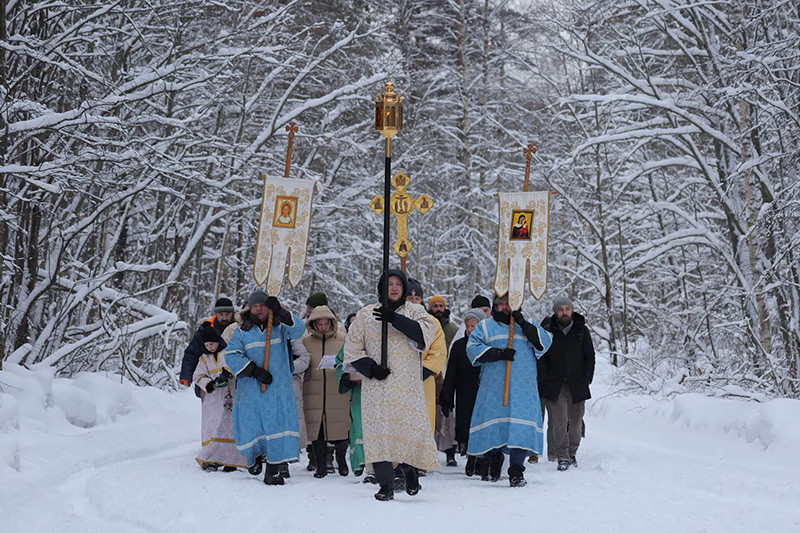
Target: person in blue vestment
{"type": "Point", "coordinates": [265, 423]}
{"type": "Point", "coordinates": [514, 429]}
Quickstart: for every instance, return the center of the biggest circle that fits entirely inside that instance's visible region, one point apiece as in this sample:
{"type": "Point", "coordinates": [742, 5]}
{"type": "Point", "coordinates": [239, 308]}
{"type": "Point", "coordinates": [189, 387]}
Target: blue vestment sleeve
{"type": "Point", "coordinates": [235, 357]}
{"type": "Point", "coordinates": [477, 343]}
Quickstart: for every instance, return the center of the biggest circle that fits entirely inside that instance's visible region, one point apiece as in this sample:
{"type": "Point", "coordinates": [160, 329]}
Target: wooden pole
{"type": "Point", "coordinates": [292, 129]}
{"type": "Point", "coordinates": [266, 346]}
{"type": "Point", "coordinates": [529, 151]}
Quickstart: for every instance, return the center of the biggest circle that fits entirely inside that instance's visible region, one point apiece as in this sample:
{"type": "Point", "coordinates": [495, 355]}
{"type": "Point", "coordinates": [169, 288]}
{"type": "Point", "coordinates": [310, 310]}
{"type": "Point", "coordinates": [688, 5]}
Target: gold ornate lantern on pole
{"type": "Point", "coordinates": [388, 121]}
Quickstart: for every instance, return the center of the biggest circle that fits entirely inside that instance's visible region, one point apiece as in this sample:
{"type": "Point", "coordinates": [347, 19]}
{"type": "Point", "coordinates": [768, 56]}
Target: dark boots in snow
{"type": "Point", "coordinates": [385, 494]}
{"type": "Point", "coordinates": [482, 467]}
{"type": "Point", "coordinates": [451, 456]}
{"type": "Point", "coordinates": [563, 464]}
{"type": "Point", "coordinates": [515, 476]}
{"type": "Point", "coordinates": [272, 475]}
{"type": "Point", "coordinates": [470, 468]}
{"type": "Point", "coordinates": [257, 466]}
{"type": "Point", "coordinates": [320, 449]}
{"type": "Point", "coordinates": [496, 466]}
{"type": "Point", "coordinates": [412, 480]}
{"type": "Point", "coordinates": [341, 461]}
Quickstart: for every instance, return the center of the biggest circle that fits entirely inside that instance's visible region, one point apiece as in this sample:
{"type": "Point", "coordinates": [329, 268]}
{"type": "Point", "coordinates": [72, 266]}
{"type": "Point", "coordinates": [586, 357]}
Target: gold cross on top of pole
{"type": "Point", "coordinates": [401, 205]}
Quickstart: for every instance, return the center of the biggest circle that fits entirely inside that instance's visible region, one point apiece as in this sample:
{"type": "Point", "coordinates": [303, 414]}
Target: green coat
{"type": "Point", "coordinates": [356, 441]}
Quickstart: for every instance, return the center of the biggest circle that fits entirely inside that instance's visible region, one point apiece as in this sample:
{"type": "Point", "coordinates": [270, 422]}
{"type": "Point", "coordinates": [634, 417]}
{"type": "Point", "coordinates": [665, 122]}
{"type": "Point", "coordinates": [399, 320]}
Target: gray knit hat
{"type": "Point", "coordinates": [257, 297]}
{"type": "Point", "coordinates": [475, 314]}
{"type": "Point", "coordinates": [564, 300]}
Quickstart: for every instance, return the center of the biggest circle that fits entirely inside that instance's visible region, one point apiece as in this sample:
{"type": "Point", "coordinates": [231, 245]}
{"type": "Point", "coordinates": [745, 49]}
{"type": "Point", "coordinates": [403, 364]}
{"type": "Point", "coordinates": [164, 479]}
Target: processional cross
{"type": "Point", "coordinates": [401, 205]}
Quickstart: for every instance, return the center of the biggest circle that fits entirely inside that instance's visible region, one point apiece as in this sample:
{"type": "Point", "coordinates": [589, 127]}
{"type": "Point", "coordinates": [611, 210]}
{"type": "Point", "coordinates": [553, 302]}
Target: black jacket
{"type": "Point", "coordinates": [460, 387]}
{"type": "Point", "coordinates": [569, 360]}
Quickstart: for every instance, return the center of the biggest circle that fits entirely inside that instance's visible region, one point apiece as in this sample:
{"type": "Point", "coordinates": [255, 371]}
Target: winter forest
{"type": "Point", "coordinates": [133, 134]}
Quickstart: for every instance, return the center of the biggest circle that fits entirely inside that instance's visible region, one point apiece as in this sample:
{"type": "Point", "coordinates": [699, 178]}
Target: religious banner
{"type": "Point", "coordinates": [523, 228]}
{"type": "Point", "coordinates": [283, 232]}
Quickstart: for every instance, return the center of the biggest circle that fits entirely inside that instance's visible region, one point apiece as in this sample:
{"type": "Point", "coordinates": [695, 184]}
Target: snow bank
{"type": "Point", "coordinates": [771, 424]}
{"type": "Point", "coordinates": [40, 414]}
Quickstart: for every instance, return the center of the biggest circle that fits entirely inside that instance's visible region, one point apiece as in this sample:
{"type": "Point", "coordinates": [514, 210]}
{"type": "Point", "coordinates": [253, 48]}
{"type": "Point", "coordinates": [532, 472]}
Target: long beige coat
{"type": "Point", "coordinates": [322, 403]}
{"type": "Point", "coordinates": [394, 417]}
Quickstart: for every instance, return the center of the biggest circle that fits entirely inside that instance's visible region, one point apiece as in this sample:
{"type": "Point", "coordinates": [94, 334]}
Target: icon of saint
{"type": "Point", "coordinates": [286, 213]}
{"type": "Point", "coordinates": [520, 229]}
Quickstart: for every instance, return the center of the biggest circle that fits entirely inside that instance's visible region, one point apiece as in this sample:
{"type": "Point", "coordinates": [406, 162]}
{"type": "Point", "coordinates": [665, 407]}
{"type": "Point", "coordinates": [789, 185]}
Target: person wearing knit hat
{"type": "Point", "coordinates": [565, 373]}
{"type": "Point", "coordinates": [224, 305]}
{"type": "Point", "coordinates": [395, 422]}
{"type": "Point", "coordinates": [415, 293]}
{"type": "Point", "coordinates": [482, 303]}
{"type": "Point", "coordinates": [223, 317]}
{"type": "Point", "coordinates": [562, 301]}
{"type": "Point", "coordinates": [460, 388]}
{"type": "Point", "coordinates": [514, 428]}
{"type": "Point", "coordinates": [437, 306]}
{"type": "Point", "coordinates": [265, 423]}
{"type": "Point", "coordinates": [315, 300]}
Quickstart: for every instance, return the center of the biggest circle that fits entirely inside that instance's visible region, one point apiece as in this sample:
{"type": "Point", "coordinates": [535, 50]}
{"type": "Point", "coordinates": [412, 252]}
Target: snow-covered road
{"type": "Point", "coordinates": [644, 466]}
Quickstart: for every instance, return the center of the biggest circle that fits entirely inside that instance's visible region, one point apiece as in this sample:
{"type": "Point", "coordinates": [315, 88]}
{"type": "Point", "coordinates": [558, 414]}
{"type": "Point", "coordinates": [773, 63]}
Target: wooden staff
{"type": "Point", "coordinates": [529, 151]}
{"type": "Point", "coordinates": [292, 129]}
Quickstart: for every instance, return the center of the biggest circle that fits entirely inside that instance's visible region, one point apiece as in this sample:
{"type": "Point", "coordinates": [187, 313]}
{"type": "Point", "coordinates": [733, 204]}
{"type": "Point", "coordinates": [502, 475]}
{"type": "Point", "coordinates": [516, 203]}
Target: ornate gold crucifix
{"type": "Point", "coordinates": [402, 204]}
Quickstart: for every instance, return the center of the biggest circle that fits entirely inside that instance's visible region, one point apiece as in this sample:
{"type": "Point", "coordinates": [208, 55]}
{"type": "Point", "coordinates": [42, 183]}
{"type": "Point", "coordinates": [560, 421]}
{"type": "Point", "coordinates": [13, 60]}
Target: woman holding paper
{"type": "Point", "coordinates": [327, 412]}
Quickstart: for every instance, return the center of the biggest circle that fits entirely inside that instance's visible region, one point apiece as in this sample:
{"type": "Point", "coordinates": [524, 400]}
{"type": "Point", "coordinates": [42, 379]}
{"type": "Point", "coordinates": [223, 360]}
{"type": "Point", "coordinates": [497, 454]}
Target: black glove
{"type": "Point", "coordinates": [530, 331]}
{"type": "Point", "coordinates": [426, 373]}
{"type": "Point", "coordinates": [262, 375]}
{"type": "Point", "coordinates": [378, 372]}
{"type": "Point", "coordinates": [210, 387]}
{"type": "Point", "coordinates": [273, 303]}
{"type": "Point", "coordinates": [384, 314]}
{"type": "Point", "coordinates": [496, 354]}
{"type": "Point", "coordinates": [347, 383]}
{"type": "Point", "coordinates": [223, 378]}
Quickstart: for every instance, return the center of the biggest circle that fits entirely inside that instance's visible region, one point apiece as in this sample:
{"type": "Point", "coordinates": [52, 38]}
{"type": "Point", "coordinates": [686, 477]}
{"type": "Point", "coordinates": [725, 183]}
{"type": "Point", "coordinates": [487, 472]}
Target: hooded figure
{"type": "Point", "coordinates": [327, 413]}
{"type": "Point", "coordinates": [395, 422]}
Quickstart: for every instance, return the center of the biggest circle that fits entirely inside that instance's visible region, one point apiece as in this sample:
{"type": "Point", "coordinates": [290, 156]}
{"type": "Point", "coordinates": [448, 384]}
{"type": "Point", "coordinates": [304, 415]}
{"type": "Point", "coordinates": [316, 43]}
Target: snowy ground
{"type": "Point", "coordinates": [125, 462]}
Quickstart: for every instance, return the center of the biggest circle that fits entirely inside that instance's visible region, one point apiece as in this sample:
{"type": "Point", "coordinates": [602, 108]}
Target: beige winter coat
{"type": "Point", "coordinates": [322, 402]}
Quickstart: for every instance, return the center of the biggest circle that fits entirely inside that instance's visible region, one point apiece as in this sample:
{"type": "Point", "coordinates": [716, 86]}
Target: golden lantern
{"type": "Point", "coordinates": [388, 111]}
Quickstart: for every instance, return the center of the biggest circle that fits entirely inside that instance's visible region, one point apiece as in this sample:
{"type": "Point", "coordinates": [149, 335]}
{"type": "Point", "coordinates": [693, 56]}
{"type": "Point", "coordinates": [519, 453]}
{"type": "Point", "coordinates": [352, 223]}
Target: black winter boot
{"type": "Point", "coordinates": [471, 463]}
{"type": "Point", "coordinates": [496, 466]}
{"type": "Point", "coordinates": [515, 476]}
{"type": "Point", "coordinates": [341, 461]}
{"type": "Point", "coordinates": [451, 457]}
{"type": "Point", "coordinates": [563, 465]}
{"type": "Point", "coordinates": [412, 480]}
{"type": "Point", "coordinates": [283, 469]}
{"type": "Point", "coordinates": [385, 493]}
{"type": "Point", "coordinates": [320, 450]}
{"type": "Point", "coordinates": [482, 466]}
{"type": "Point", "coordinates": [329, 464]}
{"type": "Point", "coordinates": [312, 461]}
{"type": "Point", "coordinates": [272, 475]}
{"type": "Point", "coordinates": [257, 466]}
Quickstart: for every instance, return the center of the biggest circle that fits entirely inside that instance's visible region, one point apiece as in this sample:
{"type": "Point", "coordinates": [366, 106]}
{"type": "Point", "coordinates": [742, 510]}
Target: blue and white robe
{"type": "Point", "coordinates": [265, 423]}
{"type": "Point", "coordinates": [519, 424]}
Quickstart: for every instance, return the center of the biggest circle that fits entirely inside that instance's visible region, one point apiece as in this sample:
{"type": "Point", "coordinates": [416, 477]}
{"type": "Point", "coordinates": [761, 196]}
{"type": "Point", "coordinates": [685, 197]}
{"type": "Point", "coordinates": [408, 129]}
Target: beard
{"type": "Point", "coordinates": [564, 320]}
{"type": "Point", "coordinates": [222, 324]}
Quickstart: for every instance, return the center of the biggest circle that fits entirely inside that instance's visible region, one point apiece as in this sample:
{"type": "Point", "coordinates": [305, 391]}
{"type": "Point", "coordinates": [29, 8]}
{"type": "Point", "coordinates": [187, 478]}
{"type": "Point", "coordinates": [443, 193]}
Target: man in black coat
{"type": "Point", "coordinates": [565, 372]}
{"type": "Point", "coordinates": [460, 387]}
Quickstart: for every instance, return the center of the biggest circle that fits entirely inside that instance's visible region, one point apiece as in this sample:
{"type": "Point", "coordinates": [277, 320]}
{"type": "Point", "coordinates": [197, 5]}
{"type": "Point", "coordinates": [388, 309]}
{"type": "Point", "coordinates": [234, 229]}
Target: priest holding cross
{"type": "Point", "coordinates": [385, 341]}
